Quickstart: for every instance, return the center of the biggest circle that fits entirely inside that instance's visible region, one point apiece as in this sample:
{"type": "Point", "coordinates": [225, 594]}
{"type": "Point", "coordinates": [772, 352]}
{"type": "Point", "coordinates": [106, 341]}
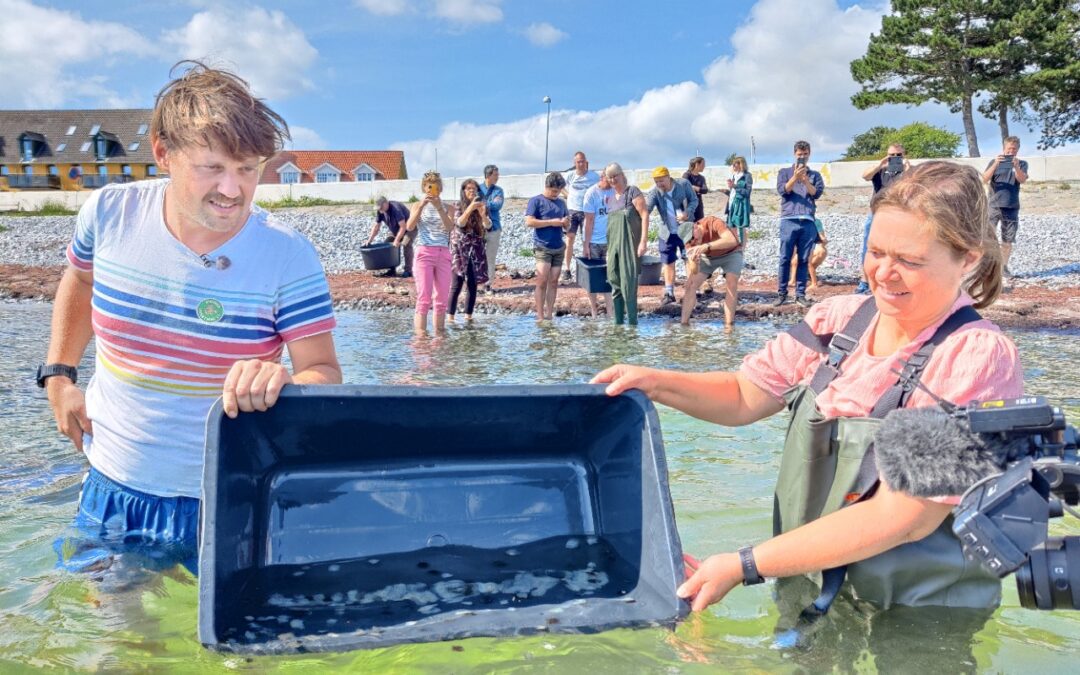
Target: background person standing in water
{"type": "Point", "coordinates": [190, 292]}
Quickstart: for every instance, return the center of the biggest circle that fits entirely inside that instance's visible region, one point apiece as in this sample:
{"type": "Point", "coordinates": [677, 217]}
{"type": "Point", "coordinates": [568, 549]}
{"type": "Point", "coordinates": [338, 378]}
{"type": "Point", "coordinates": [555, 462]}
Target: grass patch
{"type": "Point", "coordinates": [47, 208]}
{"type": "Point", "coordinates": [754, 235]}
{"type": "Point", "coordinates": [525, 252]}
{"type": "Point", "coordinates": [1064, 186]}
{"type": "Point", "coordinates": [291, 203]}
{"type": "Point", "coordinates": [653, 235]}
{"type": "Point", "coordinates": [413, 199]}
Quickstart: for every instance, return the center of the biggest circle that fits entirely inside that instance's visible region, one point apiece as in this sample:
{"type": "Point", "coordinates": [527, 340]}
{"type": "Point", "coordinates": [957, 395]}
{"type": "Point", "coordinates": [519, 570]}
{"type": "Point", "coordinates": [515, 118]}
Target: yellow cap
{"type": "Point", "coordinates": [661, 172]}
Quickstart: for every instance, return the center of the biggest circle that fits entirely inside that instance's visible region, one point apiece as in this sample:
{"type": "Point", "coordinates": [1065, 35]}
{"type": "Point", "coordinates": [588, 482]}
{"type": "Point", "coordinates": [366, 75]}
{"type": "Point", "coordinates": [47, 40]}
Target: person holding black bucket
{"type": "Point", "coordinates": [933, 259]}
{"type": "Point", "coordinates": [596, 242]}
{"type": "Point", "coordinates": [191, 292]}
{"type": "Point", "coordinates": [394, 215]}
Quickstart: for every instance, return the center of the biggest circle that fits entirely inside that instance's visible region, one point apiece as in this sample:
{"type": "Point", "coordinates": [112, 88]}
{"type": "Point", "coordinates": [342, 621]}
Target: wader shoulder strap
{"type": "Point", "coordinates": [836, 346]}
{"type": "Point", "coordinates": [897, 395]}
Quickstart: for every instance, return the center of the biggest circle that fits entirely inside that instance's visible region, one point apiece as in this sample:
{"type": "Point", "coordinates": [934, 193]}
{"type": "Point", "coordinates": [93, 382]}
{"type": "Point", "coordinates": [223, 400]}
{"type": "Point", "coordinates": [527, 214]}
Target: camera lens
{"type": "Point", "coordinates": [1050, 579]}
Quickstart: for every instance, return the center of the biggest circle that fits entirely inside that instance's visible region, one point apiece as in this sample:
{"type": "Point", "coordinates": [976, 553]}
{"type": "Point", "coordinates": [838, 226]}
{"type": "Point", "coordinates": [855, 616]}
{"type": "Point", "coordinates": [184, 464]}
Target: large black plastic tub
{"type": "Point", "coordinates": [592, 275]}
{"type": "Point", "coordinates": [350, 517]}
{"type": "Point", "coordinates": [381, 256]}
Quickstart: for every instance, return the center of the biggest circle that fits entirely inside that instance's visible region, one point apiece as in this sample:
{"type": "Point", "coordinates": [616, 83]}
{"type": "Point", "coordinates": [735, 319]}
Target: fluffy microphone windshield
{"type": "Point", "coordinates": [924, 452]}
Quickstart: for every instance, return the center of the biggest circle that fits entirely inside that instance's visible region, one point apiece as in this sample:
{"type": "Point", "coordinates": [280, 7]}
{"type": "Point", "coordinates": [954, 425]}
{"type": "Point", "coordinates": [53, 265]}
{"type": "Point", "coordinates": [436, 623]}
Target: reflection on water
{"type": "Point", "coordinates": [721, 482]}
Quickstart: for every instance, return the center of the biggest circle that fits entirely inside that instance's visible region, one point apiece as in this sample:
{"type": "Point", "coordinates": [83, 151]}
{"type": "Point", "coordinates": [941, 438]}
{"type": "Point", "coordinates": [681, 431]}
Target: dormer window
{"type": "Point", "coordinates": [30, 145]}
{"type": "Point", "coordinates": [364, 172]}
{"type": "Point", "coordinates": [105, 145]}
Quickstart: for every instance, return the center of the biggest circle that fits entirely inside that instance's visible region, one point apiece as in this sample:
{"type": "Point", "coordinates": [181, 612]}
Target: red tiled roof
{"type": "Point", "coordinates": [390, 164]}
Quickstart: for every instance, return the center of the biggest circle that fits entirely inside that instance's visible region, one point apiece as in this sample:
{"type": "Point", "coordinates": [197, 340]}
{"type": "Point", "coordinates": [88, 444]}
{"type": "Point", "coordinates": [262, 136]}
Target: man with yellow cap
{"type": "Point", "coordinates": [676, 201]}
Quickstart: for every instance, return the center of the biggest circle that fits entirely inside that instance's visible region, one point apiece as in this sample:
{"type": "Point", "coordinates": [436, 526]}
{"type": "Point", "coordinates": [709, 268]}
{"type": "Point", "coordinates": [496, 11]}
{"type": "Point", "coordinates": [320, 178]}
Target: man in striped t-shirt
{"type": "Point", "coordinates": [191, 292]}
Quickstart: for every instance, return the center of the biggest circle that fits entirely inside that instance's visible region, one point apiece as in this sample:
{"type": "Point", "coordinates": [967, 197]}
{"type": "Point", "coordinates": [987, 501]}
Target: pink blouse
{"type": "Point", "coordinates": [976, 362]}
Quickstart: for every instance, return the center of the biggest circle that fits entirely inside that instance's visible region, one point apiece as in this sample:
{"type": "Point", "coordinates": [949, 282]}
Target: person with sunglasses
{"type": "Point", "coordinates": [881, 175]}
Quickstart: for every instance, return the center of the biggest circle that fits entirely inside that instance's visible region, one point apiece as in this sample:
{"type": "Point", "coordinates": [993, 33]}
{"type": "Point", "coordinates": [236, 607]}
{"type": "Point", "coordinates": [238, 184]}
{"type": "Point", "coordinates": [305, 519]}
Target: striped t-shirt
{"type": "Point", "coordinates": [168, 327]}
{"type": "Point", "coordinates": [430, 230]}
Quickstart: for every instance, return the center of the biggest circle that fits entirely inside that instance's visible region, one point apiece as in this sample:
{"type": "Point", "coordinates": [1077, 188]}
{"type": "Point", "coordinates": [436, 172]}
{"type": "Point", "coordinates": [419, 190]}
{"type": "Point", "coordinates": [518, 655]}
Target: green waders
{"type": "Point", "coordinates": [624, 233]}
{"type": "Point", "coordinates": [823, 469]}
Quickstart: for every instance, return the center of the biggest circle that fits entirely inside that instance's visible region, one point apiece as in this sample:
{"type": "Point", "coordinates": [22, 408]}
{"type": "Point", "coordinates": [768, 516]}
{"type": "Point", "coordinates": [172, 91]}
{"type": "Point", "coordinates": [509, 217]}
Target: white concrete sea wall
{"type": "Point", "coordinates": [836, 174]}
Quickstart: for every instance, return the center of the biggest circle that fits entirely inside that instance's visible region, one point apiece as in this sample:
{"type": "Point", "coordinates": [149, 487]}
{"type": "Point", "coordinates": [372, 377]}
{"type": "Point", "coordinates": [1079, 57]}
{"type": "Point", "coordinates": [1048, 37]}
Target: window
{"type": "Point", "coordinates": [125, 169]}
{"type": "Point", "coordinates": [151, 170]}
{"type": "Point", "coordinates": [3, 170]}
{"type": "Point", "coordinates": [71, 130]}
{"type": "Point", "coordinates": [290, 177]}
{"type": "Point", "coordinates": [102, 170]}
{"type": "Point", "coordinates": [61, 147]}
{"type": "Point", "coordinates": [94, 129]}
{"type": "Point", "coordinates": [142, 130]}
{"type": "Point", "coordinates": [327, 176]}
{"type": "Point", "coordinates": [28, 170]}
{"type": "Point", "coordinates": [53, 171]}
{"type": "Point", "coordinates": [28, 149]}
{"type": "Point", "coordinates": [133, 147]}
{"type": "Point", "coordinates": [102, 148]}
{"type": "Point", "coordinates": [85, 146]}
{"type": "Point", "coordinates": [364, 176]}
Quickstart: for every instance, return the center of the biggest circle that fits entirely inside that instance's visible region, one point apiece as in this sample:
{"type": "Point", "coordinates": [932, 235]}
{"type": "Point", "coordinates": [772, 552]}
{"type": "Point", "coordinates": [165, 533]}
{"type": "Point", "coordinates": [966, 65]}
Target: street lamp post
{"type": "Point", "coordinates": [547, 130]}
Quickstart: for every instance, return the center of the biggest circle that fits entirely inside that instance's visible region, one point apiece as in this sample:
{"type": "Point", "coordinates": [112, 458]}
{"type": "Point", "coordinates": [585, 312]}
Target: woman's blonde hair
{"type": "Point", "coordinates": [739, 160]}
{"type": "Point", "coordinates": [207, 107]}
{"type": "Point", "coordinates": [952, 200]}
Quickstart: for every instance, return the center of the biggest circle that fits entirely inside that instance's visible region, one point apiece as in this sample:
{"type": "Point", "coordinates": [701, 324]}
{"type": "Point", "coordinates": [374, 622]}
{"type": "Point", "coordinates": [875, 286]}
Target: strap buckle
{"type": "Point", "coordinates": [912, 370]}
{"type": "Point", "coordinates": [840, 346]}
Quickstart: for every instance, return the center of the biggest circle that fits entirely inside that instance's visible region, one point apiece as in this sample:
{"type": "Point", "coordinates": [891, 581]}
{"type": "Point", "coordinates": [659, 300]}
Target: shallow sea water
{"type": "Point", "coordinates": [721, 483]}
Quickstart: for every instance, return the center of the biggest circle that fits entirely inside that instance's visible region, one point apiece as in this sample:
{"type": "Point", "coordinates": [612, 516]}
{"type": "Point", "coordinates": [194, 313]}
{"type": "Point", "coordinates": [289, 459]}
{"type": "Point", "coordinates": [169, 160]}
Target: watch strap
{"type": "Point", "coordinates": [46, 371]}
{"type": "Point", "coordinates": [749, 567]}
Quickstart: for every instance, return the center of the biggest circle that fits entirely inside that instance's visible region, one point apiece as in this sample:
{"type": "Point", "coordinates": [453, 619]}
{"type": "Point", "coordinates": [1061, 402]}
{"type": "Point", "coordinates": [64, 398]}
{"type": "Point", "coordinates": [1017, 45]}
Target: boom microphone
{"type": "Point", "coordinates": [926, 452]}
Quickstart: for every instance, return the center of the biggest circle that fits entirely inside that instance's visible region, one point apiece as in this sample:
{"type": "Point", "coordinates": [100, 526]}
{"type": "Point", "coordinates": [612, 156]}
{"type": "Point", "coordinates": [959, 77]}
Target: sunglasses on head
{"type": "Point", "coordinates": [896, 154]}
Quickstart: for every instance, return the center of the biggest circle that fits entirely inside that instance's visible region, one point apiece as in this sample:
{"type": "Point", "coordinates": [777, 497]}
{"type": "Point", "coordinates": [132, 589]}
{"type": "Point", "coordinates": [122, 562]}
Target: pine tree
{"type": "Point", "coordinates": [927, 50]}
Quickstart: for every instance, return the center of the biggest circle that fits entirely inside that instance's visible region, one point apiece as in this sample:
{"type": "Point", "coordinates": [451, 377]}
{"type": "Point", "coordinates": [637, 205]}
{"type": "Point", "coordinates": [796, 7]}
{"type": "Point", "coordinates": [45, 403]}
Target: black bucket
{"type": "Point", "coordinates": [382, 256]}
{"type": "Point", "coordinates": [650, 271]}
{"type": "Point", "coordinates": [592, 275]}
{"type": "Point", "coordinates": [353, 517]}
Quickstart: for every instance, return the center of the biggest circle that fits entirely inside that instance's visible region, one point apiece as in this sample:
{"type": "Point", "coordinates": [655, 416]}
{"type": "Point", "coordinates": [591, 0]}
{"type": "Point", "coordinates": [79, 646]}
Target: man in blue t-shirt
{"type": "Point", "coordinates": [799, 187]}
{"type": "Point", "coordinates": [393, 215]}
{"type": "Point", "coordinates": [546, 213]}
{"type": "Point", "coordinates": [494, 198]}
{"type": "Point", "coordinates": [1005, 173]}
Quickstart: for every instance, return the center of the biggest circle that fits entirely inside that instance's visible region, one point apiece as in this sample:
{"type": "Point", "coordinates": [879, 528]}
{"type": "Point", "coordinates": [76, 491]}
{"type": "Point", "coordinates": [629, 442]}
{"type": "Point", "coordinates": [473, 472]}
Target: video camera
{"type": "Point", "coordinates": [1002, 521]}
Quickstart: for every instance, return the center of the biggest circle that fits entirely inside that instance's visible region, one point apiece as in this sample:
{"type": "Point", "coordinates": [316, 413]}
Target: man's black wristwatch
{"type": "Point", "coordinates": [44, 372]}
{"type": "Point", "coordinates": [750, 574]}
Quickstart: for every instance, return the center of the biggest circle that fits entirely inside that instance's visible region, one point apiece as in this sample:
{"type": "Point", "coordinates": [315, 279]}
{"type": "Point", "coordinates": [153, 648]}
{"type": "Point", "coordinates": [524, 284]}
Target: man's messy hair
{"type": "Point", "coordinates": [210, 107]}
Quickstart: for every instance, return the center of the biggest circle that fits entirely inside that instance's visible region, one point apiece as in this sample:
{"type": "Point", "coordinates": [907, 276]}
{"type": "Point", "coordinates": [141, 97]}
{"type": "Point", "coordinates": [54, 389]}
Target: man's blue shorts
{"type": "Point", "coordinates": [669, 248]}
{"type": "Point", "coordinates": [115, 522]}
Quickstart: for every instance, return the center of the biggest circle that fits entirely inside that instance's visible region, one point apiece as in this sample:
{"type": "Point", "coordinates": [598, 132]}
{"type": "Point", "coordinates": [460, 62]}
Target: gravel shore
{"type": "Point", "coordinates": [1047, 251]}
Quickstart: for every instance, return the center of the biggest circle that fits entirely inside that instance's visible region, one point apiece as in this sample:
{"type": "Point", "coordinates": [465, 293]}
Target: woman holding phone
{"type": "Point", "coordinates": [433, 222]}
{"type": "Point", "coordinates": [467, 252]}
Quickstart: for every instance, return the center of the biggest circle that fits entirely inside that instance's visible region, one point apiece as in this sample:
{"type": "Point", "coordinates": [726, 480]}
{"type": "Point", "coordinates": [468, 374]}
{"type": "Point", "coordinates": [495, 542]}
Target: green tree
{"type": "Point", "coordinates": [927, 50]}
{"type": "Point", "coordinates": [730, 158]}
{"type": "Point", "coordinates": [868, 143]}
{"type": "Point", "coordinates": [924, 140]}
{"type": "Point", "coordinates": [918, 138]}
{"type": "Point", "coordinates": [1051, 83]}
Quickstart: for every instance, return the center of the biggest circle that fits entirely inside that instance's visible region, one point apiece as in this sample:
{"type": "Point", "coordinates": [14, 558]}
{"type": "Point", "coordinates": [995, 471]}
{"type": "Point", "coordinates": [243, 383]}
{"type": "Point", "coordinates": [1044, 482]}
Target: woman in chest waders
{"type": "Point", "coordinates": [932, 261]}
{"type": "Point", "coordinates": [628, 235]}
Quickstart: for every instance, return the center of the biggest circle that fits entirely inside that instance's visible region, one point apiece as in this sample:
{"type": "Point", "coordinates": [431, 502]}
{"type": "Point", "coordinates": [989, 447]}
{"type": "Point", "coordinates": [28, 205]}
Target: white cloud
{"type": "Point", "coordinates": [544, 34]}
{"type": "Point", "coordinates": [384, 7]}
{"type": "Point", "coordinates": [264, 47]}
{"type": "Point", "coordinates": [773, 87]}
{"type": "Point", "coordinates": [468, 12]}
{"type": "Point", "coordinates": [39, 46]}
{"type": "Point", "coordinates": [304, 138]}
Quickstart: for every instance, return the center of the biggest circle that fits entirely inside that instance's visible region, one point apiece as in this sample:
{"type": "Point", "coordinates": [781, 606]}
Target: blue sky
{"type": "Point", "coordinates": [642, 83]}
